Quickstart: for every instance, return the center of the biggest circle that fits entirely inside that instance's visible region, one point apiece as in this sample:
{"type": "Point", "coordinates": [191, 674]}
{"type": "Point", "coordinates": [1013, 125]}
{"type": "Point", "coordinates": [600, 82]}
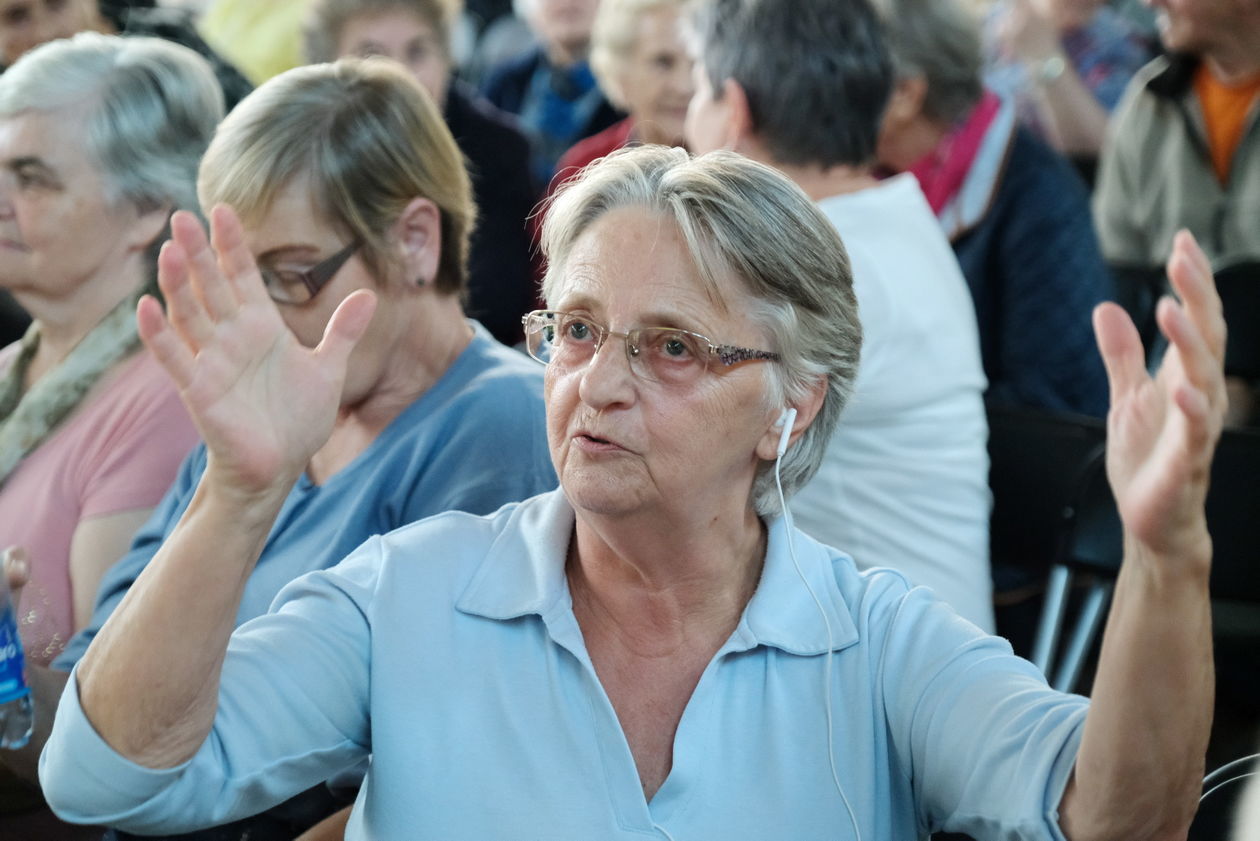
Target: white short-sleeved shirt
{"type": "Point", "coordinates": [905, 480]}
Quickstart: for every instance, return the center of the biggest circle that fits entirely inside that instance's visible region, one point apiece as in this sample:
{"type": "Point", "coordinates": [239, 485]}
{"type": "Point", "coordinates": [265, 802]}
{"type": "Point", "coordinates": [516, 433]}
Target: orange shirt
{"type": "Point", "coordinates": [1225, 110]}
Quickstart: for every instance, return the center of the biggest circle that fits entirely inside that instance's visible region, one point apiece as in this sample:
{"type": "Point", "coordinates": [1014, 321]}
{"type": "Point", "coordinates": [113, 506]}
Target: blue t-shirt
{"type": "Point", "coordinates": [473, 442]}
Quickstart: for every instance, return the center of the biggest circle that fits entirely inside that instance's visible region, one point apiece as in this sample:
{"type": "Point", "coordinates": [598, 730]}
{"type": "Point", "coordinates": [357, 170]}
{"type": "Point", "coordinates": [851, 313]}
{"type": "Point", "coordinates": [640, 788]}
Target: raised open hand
{"type": "Point", "coordinates": [1162, 431]}
{"type": "Point", "coordinates": [263, 403]}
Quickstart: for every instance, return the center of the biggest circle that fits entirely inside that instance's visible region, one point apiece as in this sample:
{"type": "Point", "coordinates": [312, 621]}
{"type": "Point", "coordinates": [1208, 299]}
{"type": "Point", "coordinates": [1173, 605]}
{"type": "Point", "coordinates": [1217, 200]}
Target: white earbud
{"type": "Point", "coordinates": [786, 420]}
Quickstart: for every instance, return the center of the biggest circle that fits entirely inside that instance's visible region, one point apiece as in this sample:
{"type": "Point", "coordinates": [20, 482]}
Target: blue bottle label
{"type": "Point", "coordinates": [12, 681]}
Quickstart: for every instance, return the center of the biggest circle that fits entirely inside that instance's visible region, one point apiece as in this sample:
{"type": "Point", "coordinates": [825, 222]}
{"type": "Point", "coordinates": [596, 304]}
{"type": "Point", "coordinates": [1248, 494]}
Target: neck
{"type": "Point", "coordinates": [563, 56]}
{"type": "Point", "coordinates": [437, 332]}
{"type": "Point", "coordinates": [663, 587]}
{"type": "Point", "coordinates": [818, 182]}
{"type": "Point", "coordinates": [823, 182]}
{"type": "Point", "coordinates": [914, 140]}
{"type": "Point", "coordinates": [65, 320]}
{"type": "Point", "coordinates": [1237, 66]}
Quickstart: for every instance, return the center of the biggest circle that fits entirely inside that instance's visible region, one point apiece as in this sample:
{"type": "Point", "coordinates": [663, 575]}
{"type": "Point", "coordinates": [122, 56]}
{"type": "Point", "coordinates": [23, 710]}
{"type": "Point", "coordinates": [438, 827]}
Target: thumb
{"type": "Point", "coordinates": [348, 324]}
{"type": "Point", "coordinates": [17, 571]}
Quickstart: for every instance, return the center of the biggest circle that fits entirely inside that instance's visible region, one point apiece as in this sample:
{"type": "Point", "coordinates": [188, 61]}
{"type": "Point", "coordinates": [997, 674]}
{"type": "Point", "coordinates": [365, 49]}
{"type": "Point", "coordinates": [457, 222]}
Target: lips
{"type": "Point", "coordinates": [590, 442]}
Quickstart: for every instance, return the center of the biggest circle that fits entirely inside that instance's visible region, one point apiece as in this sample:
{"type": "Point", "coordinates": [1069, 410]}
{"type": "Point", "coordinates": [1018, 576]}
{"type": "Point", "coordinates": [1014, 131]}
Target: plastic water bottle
{"type": "Point", "coordinates": [16, 716]}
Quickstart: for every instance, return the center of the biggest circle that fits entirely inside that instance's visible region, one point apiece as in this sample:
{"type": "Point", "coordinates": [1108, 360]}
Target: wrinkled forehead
{"type": "Point", "coordinates": [633, 268]}
{"type": "Point", "coordinates": [49, 134]}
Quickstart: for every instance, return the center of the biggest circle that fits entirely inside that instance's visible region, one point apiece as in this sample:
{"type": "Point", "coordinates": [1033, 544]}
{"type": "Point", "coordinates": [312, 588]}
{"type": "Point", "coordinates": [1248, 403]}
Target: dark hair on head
{"type": "Point", "coordinates": [817, 73]}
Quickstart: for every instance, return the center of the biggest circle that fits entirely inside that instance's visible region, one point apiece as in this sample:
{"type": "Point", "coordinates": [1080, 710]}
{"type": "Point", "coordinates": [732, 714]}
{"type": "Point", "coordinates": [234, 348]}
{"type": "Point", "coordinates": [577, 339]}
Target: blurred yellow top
{"type": "Point", "coordinates": [261, 39]}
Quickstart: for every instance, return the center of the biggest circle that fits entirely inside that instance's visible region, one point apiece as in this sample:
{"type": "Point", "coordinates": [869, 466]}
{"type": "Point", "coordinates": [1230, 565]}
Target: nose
{"type": "Point", "coordinates": [607, 380]}
{"type": "Point", "coordinates": [682, 82]}
{"type": "Point", "coordinates": [6, 195]}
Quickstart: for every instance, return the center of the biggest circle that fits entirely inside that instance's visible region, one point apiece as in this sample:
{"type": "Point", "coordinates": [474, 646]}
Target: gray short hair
{"type": "Point", "coordinates": [742, 219]}
{"type": "Point", "coordinates": [613, 38]}
{"type": "Point", "coordinates": [156, 107]}
{"type": "Point", "coordinates": [939, 40]}
{"type": "Point", "coordinates": [325, 19]}
{"type": "Point", "coordinates": [816, 73]}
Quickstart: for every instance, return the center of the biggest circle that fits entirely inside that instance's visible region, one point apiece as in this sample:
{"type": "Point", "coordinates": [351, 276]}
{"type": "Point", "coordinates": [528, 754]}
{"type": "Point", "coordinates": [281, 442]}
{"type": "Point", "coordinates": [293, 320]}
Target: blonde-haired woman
{"type": "Point", "coordinates": [417, 34]}
{"type": "Point", "coordinates": [641, 62]}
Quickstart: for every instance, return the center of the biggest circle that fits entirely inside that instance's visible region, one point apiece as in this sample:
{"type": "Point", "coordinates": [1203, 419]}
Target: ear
{"type": "Point", "coordinates": [740, 131]}
{"type": "Point", "coordinates": [417, 236]}
{"type": "Point", "coordinates": [906, 102]}
{"type": "Point", "coordinates": [807, 409]}
{"type": "Point", "coordinates": [148, 226]}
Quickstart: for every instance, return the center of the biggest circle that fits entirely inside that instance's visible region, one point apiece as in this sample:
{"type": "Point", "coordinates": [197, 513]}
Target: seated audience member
{"type": "Point", "coordinates": [1065, 63]}
{"type": "Point", "coordinates": [345, 178]}
{"type": "Point", "coordinates": [25, 24]}
{"type": "Point", "coordinates": [417, 34]}
{"type": "Point", "coordinates": [1015, 212]}
{"type": "Point", "coordinates": [262, 39]}
{"type": "Point", "coordinates": [641, 62]}
{"type": "Point", "coordinates": [1184, 149]}
{"type": "Point", "coordinates": [627, 656]}
{"type": "Point", "coordinates": [99, 141]}
{"type": "Point", "coordinates": [552, 88]}
{"type": "Point", "coordinates": [904, 481]}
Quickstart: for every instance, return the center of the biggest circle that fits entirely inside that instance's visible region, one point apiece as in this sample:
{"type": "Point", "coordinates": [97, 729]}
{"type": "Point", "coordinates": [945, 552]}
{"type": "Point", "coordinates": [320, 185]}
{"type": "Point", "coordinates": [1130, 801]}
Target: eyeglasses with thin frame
{"type": "Point", "coordinates": [286, 286]}
{"type": "Point", "coordinates": [667, 355]}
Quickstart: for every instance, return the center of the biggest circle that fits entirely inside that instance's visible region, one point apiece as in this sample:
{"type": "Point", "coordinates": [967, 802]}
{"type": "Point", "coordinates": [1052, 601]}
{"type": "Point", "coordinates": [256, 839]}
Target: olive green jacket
{"type": "Point", "coordinates": [1156, 174]}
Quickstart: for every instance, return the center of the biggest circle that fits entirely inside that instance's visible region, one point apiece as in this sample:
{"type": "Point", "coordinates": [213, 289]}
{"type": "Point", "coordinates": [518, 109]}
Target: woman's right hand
{"type": "Point", "coordinates": [264, 404]}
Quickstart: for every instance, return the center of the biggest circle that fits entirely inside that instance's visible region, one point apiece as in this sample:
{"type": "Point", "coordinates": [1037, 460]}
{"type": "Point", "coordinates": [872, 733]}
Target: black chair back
{"type": "Point", "coordinates": [1138, 289]}
{"type": "Point", "coordinates": [1037, 461]}
{"type": "Point", "coordinates": [1233, 515]}
{"type": "Point", "coordinates": [1239, 288]}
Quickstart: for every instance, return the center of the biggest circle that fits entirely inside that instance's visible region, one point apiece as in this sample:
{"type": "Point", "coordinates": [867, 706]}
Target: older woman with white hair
{"type": "Point", "coordinates": [651, 650]}
{"type": "Point", "coordinates": [641, 62]}
{"type": "Point", "coordinates": [99, 141]}
{"type": "Point", "coordinates": [100, 138]}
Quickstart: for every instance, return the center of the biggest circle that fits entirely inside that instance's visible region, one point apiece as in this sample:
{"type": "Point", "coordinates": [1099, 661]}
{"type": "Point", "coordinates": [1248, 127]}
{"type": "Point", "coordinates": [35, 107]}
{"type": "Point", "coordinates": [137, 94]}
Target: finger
{"type": "Point", "coordinates": [207, 280]}
{"type": "Point", "coordinates": [235, 259]}
{"type": "Point", "coordinates": [1201, 367]}
{"type": "Point", "coordinates": [1197, 408]}
{"type": "Point", "coordinates": [183, 308]}
{"type": "Point", "coordinates": [1121, 349]}
{"type": "Point", "coordinates": [17, 570]}
{"type": "Point", "coordinates": [167, 348]}
{"type": "Point", "coordinates": [348, 324]}
{"type": "Point", "coordinates": [1190, 273]}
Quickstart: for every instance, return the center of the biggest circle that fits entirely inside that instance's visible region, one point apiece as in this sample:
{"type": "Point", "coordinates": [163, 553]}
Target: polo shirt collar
{"type": "Point", "coordinates": [782, 613]}
{"type": "Point", "coordinates": [523, 574]}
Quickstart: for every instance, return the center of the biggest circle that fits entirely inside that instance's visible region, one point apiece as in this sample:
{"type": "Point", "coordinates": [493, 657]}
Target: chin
{"type": "Point", "coordinates": [600, 493]}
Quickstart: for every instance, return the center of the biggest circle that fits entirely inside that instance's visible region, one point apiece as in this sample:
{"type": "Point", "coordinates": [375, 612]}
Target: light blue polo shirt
{"type": "Point", "coordinates": [449, 651]}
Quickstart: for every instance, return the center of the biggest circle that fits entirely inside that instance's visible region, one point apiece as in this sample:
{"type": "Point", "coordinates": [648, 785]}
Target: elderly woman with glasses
{"type": "Point", "coordinates": [651, 650]}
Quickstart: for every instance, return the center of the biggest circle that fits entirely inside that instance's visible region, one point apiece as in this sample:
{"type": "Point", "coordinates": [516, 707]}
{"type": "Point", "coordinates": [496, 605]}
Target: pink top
{"type": "Point", "coordinates": [118, 452]}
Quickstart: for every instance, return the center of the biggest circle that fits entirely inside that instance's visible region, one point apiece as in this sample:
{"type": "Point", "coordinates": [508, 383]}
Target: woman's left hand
{"type": "Point", "coordinates": [1162, 430]}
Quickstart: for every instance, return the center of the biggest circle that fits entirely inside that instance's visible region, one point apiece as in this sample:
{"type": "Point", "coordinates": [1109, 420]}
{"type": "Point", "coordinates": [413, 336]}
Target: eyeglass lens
{"type": "Point", "coordinates": [660, 354]}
